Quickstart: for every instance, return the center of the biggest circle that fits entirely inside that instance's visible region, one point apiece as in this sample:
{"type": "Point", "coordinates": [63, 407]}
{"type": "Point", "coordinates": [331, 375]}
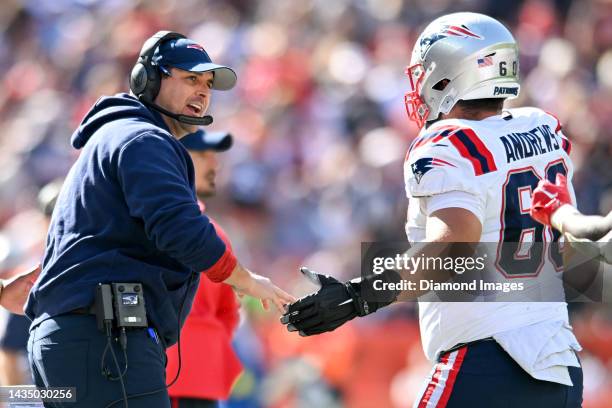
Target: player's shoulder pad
{"type": "Point", "coordinates": [548, 118]}
{"type": "Point", "coordinates": [448, 156]}
{"type": "Point", "coordinates": [536, 114]}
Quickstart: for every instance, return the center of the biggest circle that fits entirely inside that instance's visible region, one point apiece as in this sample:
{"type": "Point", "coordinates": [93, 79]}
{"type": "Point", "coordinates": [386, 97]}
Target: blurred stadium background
{"type": "Point", "coordinates": [321, 133]}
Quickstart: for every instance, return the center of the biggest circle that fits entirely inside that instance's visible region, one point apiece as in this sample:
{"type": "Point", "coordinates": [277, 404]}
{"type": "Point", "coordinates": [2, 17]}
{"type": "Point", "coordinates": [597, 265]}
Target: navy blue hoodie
{"type": "Point", "coordinates": [127, 213]}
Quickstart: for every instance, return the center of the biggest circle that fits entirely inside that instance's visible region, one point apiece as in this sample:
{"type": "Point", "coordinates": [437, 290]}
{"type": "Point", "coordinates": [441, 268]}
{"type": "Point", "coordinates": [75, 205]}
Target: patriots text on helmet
{"type": "Point", "coordinates": [504, 90]}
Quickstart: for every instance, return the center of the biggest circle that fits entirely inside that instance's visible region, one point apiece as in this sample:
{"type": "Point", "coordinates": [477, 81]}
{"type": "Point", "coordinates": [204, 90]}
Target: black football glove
{"type": "Point", "coordinates": [333, 305]}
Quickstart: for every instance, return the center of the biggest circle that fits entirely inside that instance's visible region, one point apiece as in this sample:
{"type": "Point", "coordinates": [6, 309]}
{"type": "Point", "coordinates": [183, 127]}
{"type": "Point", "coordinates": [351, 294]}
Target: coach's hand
{"type": "Point", "coordinates": [333, 305]}
{"type": "Point", "coordinates": [16, 290]}
{"type": "Point", "coordinates": [249, 283]}
{"type": "Point", "coordinates": [548, 198]}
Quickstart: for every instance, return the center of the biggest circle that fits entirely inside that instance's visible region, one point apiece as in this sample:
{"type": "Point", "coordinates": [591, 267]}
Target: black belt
{"type": "Point", "coordinates": [84, 311]}
{"type": "Point", "coordinates": [462, 345]}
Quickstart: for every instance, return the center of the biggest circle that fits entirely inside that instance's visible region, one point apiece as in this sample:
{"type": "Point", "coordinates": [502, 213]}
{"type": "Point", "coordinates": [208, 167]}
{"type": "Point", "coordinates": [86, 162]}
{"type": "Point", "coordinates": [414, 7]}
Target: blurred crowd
{"type": "Point", "coordinates": [320, 137]}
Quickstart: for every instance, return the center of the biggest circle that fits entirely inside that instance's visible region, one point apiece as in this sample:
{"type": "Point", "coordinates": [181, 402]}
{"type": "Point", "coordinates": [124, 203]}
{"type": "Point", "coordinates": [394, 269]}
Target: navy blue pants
{"type": "Point", "coordinates": [483, 375]}
{"type": "Point", "coordinates": [66, 351]}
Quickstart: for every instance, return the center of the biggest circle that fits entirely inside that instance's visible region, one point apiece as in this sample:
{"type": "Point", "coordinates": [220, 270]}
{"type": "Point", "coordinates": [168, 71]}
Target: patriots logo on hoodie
{"type": "Point", "coordinates": [422, 166]}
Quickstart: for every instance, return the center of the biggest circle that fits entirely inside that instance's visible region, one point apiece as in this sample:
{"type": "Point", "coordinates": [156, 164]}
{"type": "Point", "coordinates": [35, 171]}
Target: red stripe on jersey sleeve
{"type": "Point", "coordinates": [463, 151]}
{"type": "Point", "coordinates": [437, 161]}
{"type": "Point", "coordinates": [482, 149]}
{"type": "Point", "coordinates": [566, 144]}
{"type": "Point", "coordinates": [559, 127]}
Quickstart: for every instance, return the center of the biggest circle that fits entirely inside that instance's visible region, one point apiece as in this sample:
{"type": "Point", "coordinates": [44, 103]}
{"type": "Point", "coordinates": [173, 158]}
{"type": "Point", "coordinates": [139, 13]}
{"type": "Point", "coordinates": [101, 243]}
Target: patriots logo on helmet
{"type": "Point", "coordinates": [443, 32]}
{"type": "Point", "coordinates": [422, 166]}
{"type": "Point", "coordinates": [460, 31]}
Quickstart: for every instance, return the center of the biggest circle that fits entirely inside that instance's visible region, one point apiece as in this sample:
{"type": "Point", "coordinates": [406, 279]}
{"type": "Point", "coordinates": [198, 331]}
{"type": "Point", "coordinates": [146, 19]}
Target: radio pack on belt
{"type": "Point", "coordinates": [121, 303]}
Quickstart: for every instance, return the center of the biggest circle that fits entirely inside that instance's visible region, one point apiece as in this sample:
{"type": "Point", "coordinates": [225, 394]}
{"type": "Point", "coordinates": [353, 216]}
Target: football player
{"type": "Point", "coordinates": [469, 176]}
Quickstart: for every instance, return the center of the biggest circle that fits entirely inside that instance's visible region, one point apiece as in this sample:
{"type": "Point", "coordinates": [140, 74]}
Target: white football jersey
{"type": "Point", "coordinates": [489, 167]}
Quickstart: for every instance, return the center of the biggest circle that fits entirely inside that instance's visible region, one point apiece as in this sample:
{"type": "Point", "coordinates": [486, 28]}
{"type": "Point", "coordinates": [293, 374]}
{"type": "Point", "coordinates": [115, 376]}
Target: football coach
{"type": "Point", "coordinates": [127, 220]}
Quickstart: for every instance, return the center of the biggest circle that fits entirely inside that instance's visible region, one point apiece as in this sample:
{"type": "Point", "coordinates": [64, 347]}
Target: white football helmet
{"type": "Point", "coordinates": [460, 56]}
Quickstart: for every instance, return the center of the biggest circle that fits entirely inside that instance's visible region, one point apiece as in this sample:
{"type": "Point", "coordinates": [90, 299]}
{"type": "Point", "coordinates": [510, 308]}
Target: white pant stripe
{"type": "Point", "coordinates": [444, 369]}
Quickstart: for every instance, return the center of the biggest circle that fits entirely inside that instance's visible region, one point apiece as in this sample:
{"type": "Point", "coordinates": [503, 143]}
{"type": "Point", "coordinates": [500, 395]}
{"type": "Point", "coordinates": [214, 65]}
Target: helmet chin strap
{"type": "Point", "coordinates": [190, 120]}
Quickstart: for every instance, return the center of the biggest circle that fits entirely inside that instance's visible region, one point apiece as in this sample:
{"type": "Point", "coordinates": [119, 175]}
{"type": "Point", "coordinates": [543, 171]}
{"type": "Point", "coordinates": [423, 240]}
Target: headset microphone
{"type": "Point", "coordinates": [190, 120]}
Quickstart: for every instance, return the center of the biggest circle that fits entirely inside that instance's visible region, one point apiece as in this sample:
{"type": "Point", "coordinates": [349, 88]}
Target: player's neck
{"type": "Point", "coordinates": [458, 113]}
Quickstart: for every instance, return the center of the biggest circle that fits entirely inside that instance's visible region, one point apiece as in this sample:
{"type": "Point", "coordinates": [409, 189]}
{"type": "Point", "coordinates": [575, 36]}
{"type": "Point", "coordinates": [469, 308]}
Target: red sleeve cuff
{"type": "Point", "coordinates": [221, 270]}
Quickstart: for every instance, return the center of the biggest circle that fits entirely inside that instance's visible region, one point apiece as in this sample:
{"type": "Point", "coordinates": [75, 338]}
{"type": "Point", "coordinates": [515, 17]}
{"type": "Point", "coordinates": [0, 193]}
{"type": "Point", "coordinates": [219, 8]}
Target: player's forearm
{"type": "Point", "coordinates": [593, 227]}
{"type": "Point", "coordinates": [428, 266]}
{"type": "Point", "coordinates": [400, 281]}
{"type": "Point", "coordinates": [451, 233]}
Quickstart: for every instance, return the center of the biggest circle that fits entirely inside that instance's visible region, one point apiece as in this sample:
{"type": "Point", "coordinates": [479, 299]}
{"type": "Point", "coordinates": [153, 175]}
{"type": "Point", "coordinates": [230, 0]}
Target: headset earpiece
{"type": "Point", "coordinates": [145, 78]}
{"type": "Point", "coordinates": [138, 79]}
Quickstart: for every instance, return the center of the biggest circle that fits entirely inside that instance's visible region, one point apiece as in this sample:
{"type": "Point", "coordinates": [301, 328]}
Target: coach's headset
{"type": "Point", "coordinates": [145, 79]}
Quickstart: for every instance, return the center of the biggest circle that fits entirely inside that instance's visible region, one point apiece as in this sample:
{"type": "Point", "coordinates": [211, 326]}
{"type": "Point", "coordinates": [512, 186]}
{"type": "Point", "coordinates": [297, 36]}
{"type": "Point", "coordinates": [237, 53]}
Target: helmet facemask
{"type": "Point", "coordinates": [415, 106]}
